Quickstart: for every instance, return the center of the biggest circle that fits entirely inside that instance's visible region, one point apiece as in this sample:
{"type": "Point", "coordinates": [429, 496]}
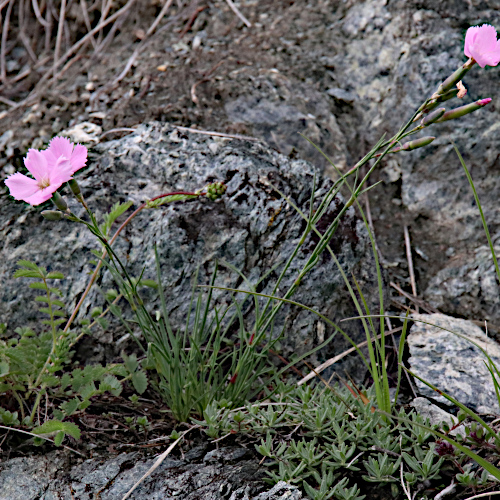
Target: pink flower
{"type": "Point", "coordinates": [50, 168]}
{"type": "Point", "coordinates": [482, 45]}
{"type": "Point", "coordinates": [60, 147]}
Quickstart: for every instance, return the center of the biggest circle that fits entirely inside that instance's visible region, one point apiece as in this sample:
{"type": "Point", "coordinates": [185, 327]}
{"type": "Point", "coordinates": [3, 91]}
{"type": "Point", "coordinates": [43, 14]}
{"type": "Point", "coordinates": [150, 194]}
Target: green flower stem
{"type": "Point", "coordinates": [20, 402]}
{"type": "Point", "coordinates": [111, 241]}
{"type": "Point", "coordinates": [41, 392]}
{"type": "Point", "coordinates": [54, 338]}
{"type": "Point", "coordinates": [480, 208]}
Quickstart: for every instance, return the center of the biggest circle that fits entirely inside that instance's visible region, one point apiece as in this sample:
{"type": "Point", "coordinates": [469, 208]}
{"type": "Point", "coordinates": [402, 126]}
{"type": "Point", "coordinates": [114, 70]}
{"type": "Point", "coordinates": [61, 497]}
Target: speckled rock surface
{"type": "Point", "coordinates": [228, 474]}
{"type": "Point", "coordinates": [394, 54]}
{"type": "Point", "coordinates": [468, 284]}
{"type": "Point", "coordinates": [436, 415]}
{"type": "Point", "coordinates": [452, 363]}
{"type": "Point", "coordinates": [252, 227]}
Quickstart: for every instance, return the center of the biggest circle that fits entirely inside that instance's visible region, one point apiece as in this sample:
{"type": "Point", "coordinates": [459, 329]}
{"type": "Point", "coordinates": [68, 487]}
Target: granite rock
{"type": "Point", "coordinates": [436, 415]}
{"type": "Point", "coordinates": [55, 476]}
{"type": "Point", "coordinates": [467, 286]}
{"type": "Point", "coordinates": [252, 227]}
{"type": "Point", "coordinates": [451, 361]}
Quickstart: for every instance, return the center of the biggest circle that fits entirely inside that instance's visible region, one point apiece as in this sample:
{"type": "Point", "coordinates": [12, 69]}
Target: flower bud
{"type": "Point", "coordinates": [433, 117]}
{"type": "Point", "coordinates": [215, 190]}
{"type": "Point", "coordinates": [75, 188]}
{"type": "Point", "coordinates": [59, 201]}
{"type": "Point", "coordinates": [52, 215]}
{"type": "Point", "coordinates": [417, 143]}
{"type": "Point", "coordinates": [437, 99]}
{"type": "Point", "coordinates": [463, 110]}
{"type": "Point", "coordinates": [455, 77]}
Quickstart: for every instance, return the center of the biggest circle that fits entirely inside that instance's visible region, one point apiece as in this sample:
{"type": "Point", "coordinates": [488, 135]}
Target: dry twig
{"type": "Point", "coordinates": [233, 7]}
{"type": "Point", "coordinates": [3, 48]}
{"type": "Point", "coordinates": [158, 462]}
{"type": "Point", "coordinates": [333, 360]}
{"type": "Point", "coordinates": [410, 262]}
{"type": "Point", "coordinates": [39, 436]}
{"type": "Point", "coordinates": [217, 134]}
{"type": "Point", "coordinates": [60, 28]}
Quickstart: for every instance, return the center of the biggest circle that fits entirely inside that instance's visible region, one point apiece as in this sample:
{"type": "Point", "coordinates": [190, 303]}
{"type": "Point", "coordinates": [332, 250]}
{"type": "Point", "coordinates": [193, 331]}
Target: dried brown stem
{"type": "Point", "coordinates": [158, 19]}
{"type": "Point", "coordinates": [410, 262]}
{"type": "Point", "coordinates": [3, 48]}
{"type": "Point", "coordinates": [86, 20]}
{"type": "Point", "coordinates": [22, 35]}
{"type": "Point", "coordinates": [233, 7]}
{"type": "Point", "coordinates": [38, 14]}
{"type": "Point", "coordinates": [60, 28]}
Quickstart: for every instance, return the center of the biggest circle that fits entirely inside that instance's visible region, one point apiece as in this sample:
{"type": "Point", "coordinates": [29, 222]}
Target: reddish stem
{"type": "Point", "coordinates": [111, 241]}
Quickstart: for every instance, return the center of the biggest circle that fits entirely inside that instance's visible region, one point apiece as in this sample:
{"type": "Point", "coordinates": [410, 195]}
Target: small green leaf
{"type": "Point", "coordinates": [55, 276]}
{"type": "Point", "coordinates": [116, 310]}
{"type": "Point", "coordinates": [111, 384]}
{"type": "Point", "coordinates": [38, 286]}
{"type": "Point", "coordinates": [96, 311]}
{"type": "Point", "coordinates": [58, 438]}
{"type": "Point", "coordinates": [149, 283]}
{"type": "Point", "coordinates": [111, 295]}
{"type": "Point", "coordinates": [117, 210]}
{"type": "Point", "coordinates": [27, 264]}
{"type": "Point", "coordinates": [103, 323]}
{"type": "Point", "coordinates": [55, 426]}
{"type": "Point", "coordinates": [140, 381]}
{"type": "Point", "coordinates": [25, 273]}
{"type": "Point", "coordinates": [130, 362]}
{"type": "Point", "coordinates": [84, 405]}
{"type": "Point", "coordinates": [69, 407]}
{"type": "Point", "coordinates": [4, 368]}
{"type": "Point", "coordinates": [8, 418]}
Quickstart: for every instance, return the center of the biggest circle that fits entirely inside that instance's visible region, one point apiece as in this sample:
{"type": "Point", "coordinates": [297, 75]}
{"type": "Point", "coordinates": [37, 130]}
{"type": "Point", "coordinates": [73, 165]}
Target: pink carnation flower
{"type": "Point", "coordinates": [61, 147]}
{"type": "Point", "coordinates": [50, 168]}
{"type": "Point", "coordinates": [482, 45]}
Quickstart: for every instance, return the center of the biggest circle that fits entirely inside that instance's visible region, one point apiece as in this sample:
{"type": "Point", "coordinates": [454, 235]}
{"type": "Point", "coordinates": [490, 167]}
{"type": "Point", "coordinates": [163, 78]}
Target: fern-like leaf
{"type": "Point", "coordinates": [116, 210]}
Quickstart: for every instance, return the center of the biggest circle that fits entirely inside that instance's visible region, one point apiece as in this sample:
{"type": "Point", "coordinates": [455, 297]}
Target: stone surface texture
{"type": "Point", "coordinates": [468, 284]}
{"type": "Point", "coordinates": [229, 473]}
{"type": "Point", "coordinates": [252, 227]}
{"type": "Point", "coordinates": [436, 415]}
{"type": "Point", "coordinates": [394, 55]}
{"type": "Point", "coordinates": [451, 361]}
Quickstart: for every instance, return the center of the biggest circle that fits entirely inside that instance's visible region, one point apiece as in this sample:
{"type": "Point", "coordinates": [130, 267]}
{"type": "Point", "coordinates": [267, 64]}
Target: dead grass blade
{"type": "Point", "coordinates": [158, 462]}
{"type": "Point", "coordinates": [334, 360]}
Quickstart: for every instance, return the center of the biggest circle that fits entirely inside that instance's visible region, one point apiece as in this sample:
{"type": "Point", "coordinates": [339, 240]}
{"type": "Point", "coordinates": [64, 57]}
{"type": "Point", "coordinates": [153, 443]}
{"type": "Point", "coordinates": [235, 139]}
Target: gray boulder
{"type": "Point", "coordinates": [252, 227]}
{"type": "Point", "coordinates": [468, 286]}
{"type": "Point", "coordinates": [231, 474]}
{"type": "Point", "coordinates": [394, 56]}
{"type": "Point", "coordinates": [452, 362]}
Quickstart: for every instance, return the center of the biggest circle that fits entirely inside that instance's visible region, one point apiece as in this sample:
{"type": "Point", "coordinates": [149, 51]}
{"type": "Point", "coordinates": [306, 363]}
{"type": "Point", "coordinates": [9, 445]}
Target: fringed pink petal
{"type": "Point", "coordinates": [79, 157]}
{"type": "Point", "coordinates": [36, 163]}
{"type": "Point", "coordinates": [21, 187]}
